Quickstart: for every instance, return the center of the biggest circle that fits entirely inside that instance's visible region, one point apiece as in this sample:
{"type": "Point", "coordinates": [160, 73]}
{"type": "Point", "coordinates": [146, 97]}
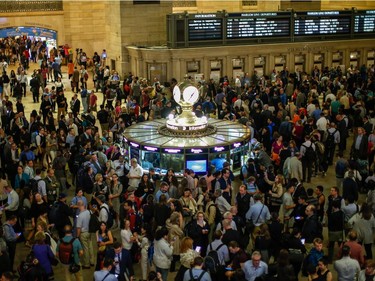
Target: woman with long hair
{"type": "Point", "coordinates": [144, 242]}
{"type": "Point", "coordinates": [163, 252]}
{"type": "Point", "coordinates": [323, 271]}
{"type": "Point", "coordinates": [174, 226]}
{"type": "Point", "coordinates": [189, 205]}
{"type": "Point", "coordinates": [187, 256]}
{"type": "Point", "coordinates": [43, 254]}
{"type": "Point", "coordinates": [263, 242]}
{"type": "Point", "coordinates": [100, 186]}
{"type": "Point", "coordinates": [172, 181]}
{"type": "Point", "coordinates": [61, 139]}
{"type": "Point", "coordinates": [51, 147]}
{"type": "Point", "coordinates": [104, 239]}
{"type": "Point", "coordinates": [276, 192]}
{"type": "Point", "coordinates": [145, 188]}
{"type": "Point", "coordinates": [115, 190]}
{"type": "Point", "coordinates": [364, 224]}
{"type": "Point", "coordinates": [198, 231]}
{"type": "Point", "coordinates": [285, 271]}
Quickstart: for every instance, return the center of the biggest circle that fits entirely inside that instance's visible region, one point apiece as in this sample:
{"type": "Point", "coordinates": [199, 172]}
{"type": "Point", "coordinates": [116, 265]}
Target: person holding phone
{"type": "Point", "coordinates": [11, 238]}
{"type": "Point", "coordinates": [187, 256]}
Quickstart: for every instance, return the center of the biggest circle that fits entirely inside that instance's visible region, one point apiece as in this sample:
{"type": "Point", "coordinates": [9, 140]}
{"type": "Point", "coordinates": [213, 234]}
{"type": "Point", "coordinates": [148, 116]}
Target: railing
{"type": "Point", "coordinates": [10, 6]}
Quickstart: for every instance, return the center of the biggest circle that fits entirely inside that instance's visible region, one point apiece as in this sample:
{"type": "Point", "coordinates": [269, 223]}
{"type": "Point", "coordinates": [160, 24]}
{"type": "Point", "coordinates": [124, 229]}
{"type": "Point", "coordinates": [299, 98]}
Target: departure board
{"type": "Point", "coordinates": [364, 22]}
{"type": "Point", "coordinates": [248, 25]}
{"type": "Point", "coordinates": [322, 23]}
{"type": "Point", "coordinates": [205, 27]}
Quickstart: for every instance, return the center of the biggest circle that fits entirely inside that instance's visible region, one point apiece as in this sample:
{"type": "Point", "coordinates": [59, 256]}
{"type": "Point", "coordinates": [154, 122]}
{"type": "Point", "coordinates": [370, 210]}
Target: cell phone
{"type": "Point", "coordinates": [303, 241]}
{"type": "Point", "coordinates": [198, 249]}
{"type": "Point", "coordinates": [19, 233]}
{"type": "Point", "coordinates": [116, 275]}
{"type": "Point", "coordinates": [229, 268]}
{"type": "Point", "coordinates": [297, 218]}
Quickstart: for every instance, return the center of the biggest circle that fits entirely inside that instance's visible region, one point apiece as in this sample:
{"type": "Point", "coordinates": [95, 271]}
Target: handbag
{"type": "Point", "coordinates": [54, 261]}
{"type": "Point", "coordinates": [74, 268]}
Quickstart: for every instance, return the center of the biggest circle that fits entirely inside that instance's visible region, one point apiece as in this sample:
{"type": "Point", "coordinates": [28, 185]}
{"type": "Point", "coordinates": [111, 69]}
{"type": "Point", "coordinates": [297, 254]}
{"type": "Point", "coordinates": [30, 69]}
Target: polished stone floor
{"type": "Point", "coordinates": [22, 251]}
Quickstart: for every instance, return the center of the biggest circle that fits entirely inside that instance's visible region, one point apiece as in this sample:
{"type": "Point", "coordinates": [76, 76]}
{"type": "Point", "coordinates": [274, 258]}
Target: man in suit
{"type": "Point", "coordinates": [75, 105]}
{"type": "Point", "coordinates": [122, 265]}
{"type": "Point", "coordinates": [360, 145]}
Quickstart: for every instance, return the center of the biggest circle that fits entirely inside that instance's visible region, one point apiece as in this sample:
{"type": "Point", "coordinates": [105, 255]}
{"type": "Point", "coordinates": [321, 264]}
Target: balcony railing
{"type": "Point", "coordinates": [12, 6]}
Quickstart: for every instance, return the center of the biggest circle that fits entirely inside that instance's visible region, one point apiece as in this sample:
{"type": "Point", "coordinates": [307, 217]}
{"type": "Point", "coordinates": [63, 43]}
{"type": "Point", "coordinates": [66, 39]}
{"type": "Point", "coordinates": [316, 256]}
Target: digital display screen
{"type": "Point", "coordinates": [322, 23]}
{"type": "Point", "coordinates": [198, 166]}
{"type": "Point", "coordinates": [205, 27]}
{"type": "Point", "coordinates": [364, 22]}
{"type": "Point", "coordinates": [248, 25]}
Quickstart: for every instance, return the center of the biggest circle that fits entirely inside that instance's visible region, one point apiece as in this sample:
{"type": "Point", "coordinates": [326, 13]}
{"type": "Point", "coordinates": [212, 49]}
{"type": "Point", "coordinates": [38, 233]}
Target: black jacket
{"type": "Point", "coordinates": [126, 265]}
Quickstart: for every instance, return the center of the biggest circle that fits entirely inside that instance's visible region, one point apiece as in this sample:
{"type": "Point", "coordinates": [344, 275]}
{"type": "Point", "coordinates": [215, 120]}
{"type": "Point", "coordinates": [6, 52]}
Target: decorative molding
{"type": "Point", "coordinates": [184, 3]}
{"type": "Point", "coordinates": [249, 2]}
{"type": "Point", "coordinates": [10, 6]}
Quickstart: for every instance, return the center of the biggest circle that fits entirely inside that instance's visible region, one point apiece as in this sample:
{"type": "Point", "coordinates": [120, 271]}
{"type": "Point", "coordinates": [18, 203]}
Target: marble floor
{"type": "Point", "coordinates": [327, 181]}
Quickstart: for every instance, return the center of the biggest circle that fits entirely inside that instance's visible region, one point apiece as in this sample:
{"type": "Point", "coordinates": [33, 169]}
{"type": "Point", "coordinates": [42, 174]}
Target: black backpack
{"type": "Point", "coordinates": [211, 261]}
{"type": "Point", "coordinates": [330, 141]}
{"type": "Point", "coordinates": [53, 215]}
{"type": "Point", "coordinates": [111, 216]}
{"type": "Point", "coordinates": [310, 154]}
{"type": "Point", "coordinates": [33, 184]}
{"type": "Point", "coordinates": [94, 223]}
{"type": "Point", "coordinates": [305, 265]}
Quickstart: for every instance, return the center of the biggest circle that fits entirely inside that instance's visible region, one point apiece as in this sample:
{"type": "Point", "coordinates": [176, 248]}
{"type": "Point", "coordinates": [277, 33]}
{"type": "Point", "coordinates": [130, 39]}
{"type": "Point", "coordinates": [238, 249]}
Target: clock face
{"type": "Point", "coordinates": [190, 94]}
{"type": "Point", "coordinates": [177, 94]}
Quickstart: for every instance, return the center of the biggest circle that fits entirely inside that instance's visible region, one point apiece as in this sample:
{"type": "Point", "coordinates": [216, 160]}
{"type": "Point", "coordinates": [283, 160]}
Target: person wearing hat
{"type": "Point", "coordinates": [65, 213]}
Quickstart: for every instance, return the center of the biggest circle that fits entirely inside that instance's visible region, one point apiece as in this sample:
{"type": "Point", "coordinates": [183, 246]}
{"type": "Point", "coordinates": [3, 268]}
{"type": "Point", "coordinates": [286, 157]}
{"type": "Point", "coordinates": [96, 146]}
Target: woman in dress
{"type": "Point", "coordinates": [114, 196]}
{"type": "Point", "coordinates": [43, 254]}
{"type": "Point", "coordinates": [104, 239]}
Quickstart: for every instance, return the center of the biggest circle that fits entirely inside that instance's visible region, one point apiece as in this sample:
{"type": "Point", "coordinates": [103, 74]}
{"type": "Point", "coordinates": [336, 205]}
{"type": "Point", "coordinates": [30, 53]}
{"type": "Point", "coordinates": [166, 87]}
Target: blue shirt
{"type": "Point", "coordinates": [255, 210]}
{"type": "Point", "coordinates": [196, 272]}
{"type": "Point", "coordinates": [252, 272]}
{"type": "Point", "coordinates": [100, 275]}
{"type": "Point", "coordinates": [159, 193]}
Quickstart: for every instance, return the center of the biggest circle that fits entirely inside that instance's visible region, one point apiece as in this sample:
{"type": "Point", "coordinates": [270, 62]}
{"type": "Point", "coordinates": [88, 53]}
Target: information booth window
{"type": "Point", "coordinates": [196, 159]}
{"type": "Point", "coordinates": [172, 158]}
{"type": "Point", "coordinates": [218, 155]}
{"type": "Point", "coordinates": [238, 154]}
{"type": "Point", "coordinates": [150, 158]}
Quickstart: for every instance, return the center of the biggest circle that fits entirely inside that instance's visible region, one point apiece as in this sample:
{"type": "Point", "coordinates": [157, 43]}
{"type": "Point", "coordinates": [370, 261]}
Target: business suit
{"type": "Point", "coordinates": [361, 151]}
{"type": "Point", "coordinates": [125, 262]}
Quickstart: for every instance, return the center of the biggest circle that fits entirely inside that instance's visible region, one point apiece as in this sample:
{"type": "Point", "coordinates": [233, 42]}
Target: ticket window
{"type": "Point", "coordinates": [193, 68]}
{"type": "Point", "coordinates": [319, 61]}
{"type": "Point", "coordinates": [337, 59]}
{"type": "Point", "coordinates": [158, 71]}
{"type": "Point", "coordinates": [279, 63]}
{"type": "Point", "coordinates": [371, 58]}
{"type": "Point", "coordinates": [259, 64]}
{"type": "Point", "coordinates": [237, 67]}
{"type": "Point", "coordinates": [354, 59]}
{"type": "Point", "coordinates": [216, 70]}
{"type": "Point", "coordinates": [299, 63]}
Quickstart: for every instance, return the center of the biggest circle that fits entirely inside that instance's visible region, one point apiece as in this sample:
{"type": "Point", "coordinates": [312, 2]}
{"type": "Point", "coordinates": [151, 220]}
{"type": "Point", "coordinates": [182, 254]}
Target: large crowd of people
{"type": "Point", "coordinates": [204, 228]}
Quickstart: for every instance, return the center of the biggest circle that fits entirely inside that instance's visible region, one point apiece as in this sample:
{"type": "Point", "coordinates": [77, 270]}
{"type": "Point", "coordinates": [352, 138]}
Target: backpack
{"type": "Point", "coordinates": [111, 216]}
{"type": "Point", "coordinates": [66, 251]}
{"type": "Point", "coordinates": [305, 264]}
{"type": "Point", "coordinates": [24, 212]}
{"type": "Point", "coordinates": [94, 223]}
{"type": "Point", "coordinates": [241, 173]}
{"type": "Point", "coordinates": [211, 261]}
{"type": "Point", "coordinates": [218, 216]}
{"type": "Point", "coordinates": [195, 278]}
{"type": "Point", "coordinates": [33, 184]}
{"type": "Point", "coordinates": [309, 153]}
{"type": "Point", "coordinates": [330, 141]}
{"type": "Point", "coordinates": [53, 215]}
{"type": "Point", "coordinates": [150, 253]}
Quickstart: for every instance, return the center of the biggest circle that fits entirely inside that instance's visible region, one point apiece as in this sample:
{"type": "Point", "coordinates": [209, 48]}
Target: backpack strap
{"type": "Point", "coordinates": [201, 275]}
{"type": "Point", "coordinates": [221, 245]}
{"type": "Point", "coordinates": [105, 277]}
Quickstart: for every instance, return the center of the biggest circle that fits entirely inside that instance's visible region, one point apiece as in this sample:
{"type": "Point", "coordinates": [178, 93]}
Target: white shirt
{"type": "Point", "coordinates": [125, 239]}
{"type": "Point", "coordinates": [322, 123]}
{"type": "Point", "coordinates": [135, 172]}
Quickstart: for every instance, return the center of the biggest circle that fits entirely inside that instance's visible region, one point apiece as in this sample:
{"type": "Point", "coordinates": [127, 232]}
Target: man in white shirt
{"type": "Point", "coordinates": [135, 173]}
